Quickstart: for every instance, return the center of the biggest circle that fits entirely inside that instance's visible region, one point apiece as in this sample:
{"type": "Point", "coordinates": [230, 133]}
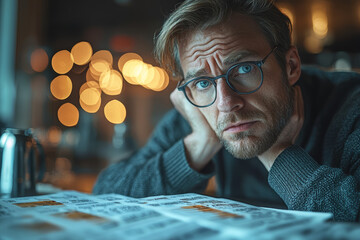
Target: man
{"type": "Point", "coordinates": [290, 137]}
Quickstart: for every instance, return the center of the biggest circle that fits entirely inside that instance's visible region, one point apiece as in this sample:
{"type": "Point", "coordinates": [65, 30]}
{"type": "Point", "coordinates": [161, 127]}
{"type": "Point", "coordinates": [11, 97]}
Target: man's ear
{"type": "Point", "coordinates": [293, 65]}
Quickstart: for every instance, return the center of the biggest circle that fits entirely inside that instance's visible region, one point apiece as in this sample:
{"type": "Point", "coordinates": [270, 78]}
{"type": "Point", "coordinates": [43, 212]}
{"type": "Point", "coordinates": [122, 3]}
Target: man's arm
{"type": "Point", "coordinates": [333, 187]}
{"type": "Point", "coordinates": [160, 167]}
{"type": "Point", "coordinates": [305, 185]}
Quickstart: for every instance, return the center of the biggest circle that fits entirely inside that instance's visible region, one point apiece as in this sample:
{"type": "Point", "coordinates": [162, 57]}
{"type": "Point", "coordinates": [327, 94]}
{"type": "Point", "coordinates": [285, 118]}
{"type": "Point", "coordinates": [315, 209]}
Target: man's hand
{"type": "Point", "coordinates": [289, 134]}
{"type": "Point", "coordinates": [202, 144]}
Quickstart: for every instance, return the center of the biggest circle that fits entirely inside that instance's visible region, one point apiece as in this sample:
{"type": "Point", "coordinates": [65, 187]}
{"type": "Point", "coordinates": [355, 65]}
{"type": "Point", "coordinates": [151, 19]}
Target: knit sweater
{"type": "Point", "coordinates": [321, 172]}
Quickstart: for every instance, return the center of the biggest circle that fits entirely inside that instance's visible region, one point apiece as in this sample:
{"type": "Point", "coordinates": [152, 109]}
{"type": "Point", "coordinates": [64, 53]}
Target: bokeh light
{"type": "Point", "coordinates": [165, 82]}
{"type": "Point", "coordinates": [101, 61]}
{"type": "Point", "coordinates": [146, 74]}
{"type": "Point", "coordinates": [127, 57]}
{"type": "Point", "coordinates": [90, 77]}
{"type": "Point", "coordinates": [61, 87]}
{"type": "Point", "coordinates": [82, 53]}
{"type": "Point", "coordinates": [100, 78]}
{"type": "Point", "coordinates": [319, 19]}
{"type": "Point", "coordinates": [160, 81]}
{"type": "Point", "coordinates": [98, 66]}
{"type": "Point", "coordinates": [62, 62]}
{"type": "Point", "coordinates": [90, 108]}
{"type": "Point", "coordinates": [157, 79]}
{"type": "Point", "coordinates": [90, 84]}
{"type": "Point", "coordinates": [68, 115]}
{"type": "Point", "coordinates": [131, 70]}
{"type": "Point", "coordinates": [115, 112]}
{"type": "Point", "coordinates": [103, 55]}
{"type": "Point", "coordinates": [90, 96]}
{"type": "Point", "coordinates": [111, 82]}
{"type": "Point", "coordinates": [39, 60]}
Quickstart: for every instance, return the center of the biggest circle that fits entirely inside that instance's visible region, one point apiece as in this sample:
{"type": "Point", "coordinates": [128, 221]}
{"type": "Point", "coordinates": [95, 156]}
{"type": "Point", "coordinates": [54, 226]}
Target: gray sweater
{"type": "Point", "coordinates": [321, 172]}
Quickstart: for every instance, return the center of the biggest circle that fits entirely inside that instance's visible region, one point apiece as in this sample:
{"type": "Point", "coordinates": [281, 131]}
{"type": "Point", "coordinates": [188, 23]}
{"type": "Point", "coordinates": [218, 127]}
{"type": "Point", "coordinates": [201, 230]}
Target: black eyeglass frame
{"type": "Point", "coordinates": [226, 76]}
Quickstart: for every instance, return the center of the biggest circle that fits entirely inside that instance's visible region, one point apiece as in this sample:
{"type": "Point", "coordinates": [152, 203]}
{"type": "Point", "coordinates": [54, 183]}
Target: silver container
{"type": "Point", "coordinates": [22, 163]}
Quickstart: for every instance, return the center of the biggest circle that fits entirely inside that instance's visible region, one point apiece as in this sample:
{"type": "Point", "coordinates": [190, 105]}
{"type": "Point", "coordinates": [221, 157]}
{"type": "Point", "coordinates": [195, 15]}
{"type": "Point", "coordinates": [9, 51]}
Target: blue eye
{"type": "Point", "coordinates": [202, 84]}
{"type": "Point", "coordinates": [245, 68]}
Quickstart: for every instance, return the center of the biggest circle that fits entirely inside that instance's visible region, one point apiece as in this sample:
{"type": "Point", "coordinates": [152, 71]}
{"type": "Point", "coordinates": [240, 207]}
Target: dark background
{"type": "Point", "coordinates": [55, 25]}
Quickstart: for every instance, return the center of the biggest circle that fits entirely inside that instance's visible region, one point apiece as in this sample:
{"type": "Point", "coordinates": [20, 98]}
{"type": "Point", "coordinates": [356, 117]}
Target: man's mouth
{"type": "Point", "coordinates": [239, 127]}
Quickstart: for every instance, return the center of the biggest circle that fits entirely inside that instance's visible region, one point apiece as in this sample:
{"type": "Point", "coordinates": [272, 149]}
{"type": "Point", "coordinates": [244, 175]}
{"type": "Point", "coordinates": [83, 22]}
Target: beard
{"type": "Point", "coordinates": [247, 144]}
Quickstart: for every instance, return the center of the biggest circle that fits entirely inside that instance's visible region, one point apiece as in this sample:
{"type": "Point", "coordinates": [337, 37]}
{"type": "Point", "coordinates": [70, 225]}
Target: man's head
{"type": "Point", "coordinates": [206, 38]}
{"type": "Point", "coordinates": [201, 14]}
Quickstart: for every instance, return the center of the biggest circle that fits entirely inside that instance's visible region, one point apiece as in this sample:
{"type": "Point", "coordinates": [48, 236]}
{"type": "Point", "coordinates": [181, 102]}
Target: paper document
{"type": "Point", "coordinates": [74, 215]}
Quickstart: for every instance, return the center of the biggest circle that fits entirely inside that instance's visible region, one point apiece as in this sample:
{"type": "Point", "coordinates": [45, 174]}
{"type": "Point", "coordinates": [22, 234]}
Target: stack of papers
{"type": "Point", "coordinates": [75, 215]}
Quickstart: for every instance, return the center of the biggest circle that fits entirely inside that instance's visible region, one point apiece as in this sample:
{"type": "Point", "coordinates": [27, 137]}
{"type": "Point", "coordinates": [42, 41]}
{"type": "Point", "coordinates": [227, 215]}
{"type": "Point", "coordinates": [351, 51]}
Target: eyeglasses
{"type": "Point", "coordinates": [242, 78]}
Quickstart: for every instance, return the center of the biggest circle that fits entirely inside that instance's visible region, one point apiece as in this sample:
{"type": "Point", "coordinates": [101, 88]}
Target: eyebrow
{"type": "Point", "coordinates": [237, 57]}
{"type": "Point", "coordinates": [198, 73]}
{"type": "Point", "coordinates": [229, 60]}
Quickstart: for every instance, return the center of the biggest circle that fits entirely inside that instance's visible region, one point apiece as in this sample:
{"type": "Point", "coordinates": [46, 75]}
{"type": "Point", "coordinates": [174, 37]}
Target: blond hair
{"type": "Point", "coordinates": [202, 14]}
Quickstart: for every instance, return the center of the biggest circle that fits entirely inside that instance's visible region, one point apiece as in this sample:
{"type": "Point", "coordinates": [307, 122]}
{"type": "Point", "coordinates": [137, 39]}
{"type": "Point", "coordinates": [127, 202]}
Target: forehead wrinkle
{"type": "Point", "coordinates": [219, 39]}
{"type": "Point", "coordinates": [198, 53]}
{"type": "Point", "coordinates": [218, 60]}
{"type": "Point", "coordinates": [211, 65]}
{"type": "Point", "coordinates": [220, 42]}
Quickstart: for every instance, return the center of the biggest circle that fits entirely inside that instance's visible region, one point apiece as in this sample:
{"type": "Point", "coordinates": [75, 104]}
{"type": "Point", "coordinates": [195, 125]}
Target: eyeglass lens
{"type": "Point", "coordinates": [242, 78]}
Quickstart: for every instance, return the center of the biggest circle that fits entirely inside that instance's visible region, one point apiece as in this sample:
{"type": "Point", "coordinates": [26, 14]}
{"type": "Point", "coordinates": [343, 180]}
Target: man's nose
{"type": "Point", "coordinates": [227, 100]}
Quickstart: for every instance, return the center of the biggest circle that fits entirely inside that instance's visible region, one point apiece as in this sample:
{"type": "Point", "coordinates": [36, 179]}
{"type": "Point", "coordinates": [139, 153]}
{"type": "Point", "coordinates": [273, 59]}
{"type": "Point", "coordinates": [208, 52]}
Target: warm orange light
{"type": "Point", "coordinates": [101, 61]}
{"type": "Point", "coordinates": [319, 19]}
{"type": "Point", "coordinates": [68, 115]}
{"type": "Point", "coordinates": [39, 60]}
{"type": "Point", "coordinates": [90, 108]}
{"type": "Point", "coordinates": [165, 82]}
{"type": "Point", "coordinates": [131, 70]}
{"type": "Point", "coordinates": [160, 81]}
{"type": "Point", "coordinates": [111, 82]}
{"type": "Point", "coordinates": [81, 53]}
{"type": "Point", "coordinates": [127, 57]}
{"type": "Point", "coordinates": [90, 84]}
{"type": "Point", "coordinates": [98, 66]}
{"type": "Point", "coordinates": [90, 96]}
{"type": "Point", "coordinates": [115, 112]}
{"type": "Point", "coordinates": [90, 77]}
{"type": "Point", "coordinates": [62, 62]}
{"type": "Point", "coordinates": [157, 79]}
{"type": "Point", "coordinates": [103, 55]}
{"type": "Point", "coordinates": [146, 74]}
{"type": "Point", "coordinates": [61, 87]}
{"type": "Point", "coordinates": [138, 72]}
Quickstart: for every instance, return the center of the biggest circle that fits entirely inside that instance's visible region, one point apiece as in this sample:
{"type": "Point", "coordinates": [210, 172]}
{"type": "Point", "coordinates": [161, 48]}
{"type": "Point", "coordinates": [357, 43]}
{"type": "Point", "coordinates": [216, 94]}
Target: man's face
{"type": "Point", "coordinates": [246, 124]}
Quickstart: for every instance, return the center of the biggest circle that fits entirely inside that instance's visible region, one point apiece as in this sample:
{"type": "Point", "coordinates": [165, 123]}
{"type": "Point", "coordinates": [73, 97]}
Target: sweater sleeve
{"type": "Point", "coordinates": [160, 167]}
{"type": "Point", "coordinates": [305, 185]}
{"type": "Point", "coordinates": [324, 174]}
